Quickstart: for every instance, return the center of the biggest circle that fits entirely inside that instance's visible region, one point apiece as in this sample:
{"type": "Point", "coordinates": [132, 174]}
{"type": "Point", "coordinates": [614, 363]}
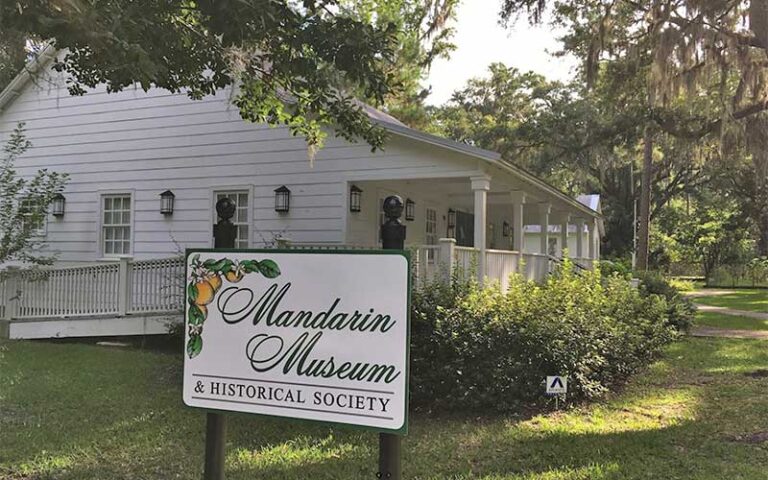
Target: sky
{"type": "Point", "coordinates": [481, 41]}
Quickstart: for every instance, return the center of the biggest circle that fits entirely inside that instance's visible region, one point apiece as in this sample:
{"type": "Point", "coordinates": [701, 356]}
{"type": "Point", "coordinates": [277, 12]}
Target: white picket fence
{"type": "Point", "coordinates": [105, 289]}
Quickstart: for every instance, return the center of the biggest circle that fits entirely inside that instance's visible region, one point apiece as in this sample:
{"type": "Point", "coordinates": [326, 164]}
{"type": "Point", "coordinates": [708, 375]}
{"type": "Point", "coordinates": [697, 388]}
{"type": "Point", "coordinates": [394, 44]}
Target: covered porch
{"type": "Point", "coordinates": [486, 223]}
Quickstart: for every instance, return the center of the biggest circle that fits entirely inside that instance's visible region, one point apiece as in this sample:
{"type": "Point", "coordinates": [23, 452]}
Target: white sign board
{"type": "Point", "coordinates": [557, 385]}
{"type": "Point", "coordinates": [308, 335]}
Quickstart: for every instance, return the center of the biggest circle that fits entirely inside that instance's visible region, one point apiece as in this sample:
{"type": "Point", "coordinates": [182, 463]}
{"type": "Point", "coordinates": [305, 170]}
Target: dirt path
{"type": "Point", "coordinates": [725, 332]}
{"type": "Point", "coordinates": [708, 292]}
{"type": "Point", "coordinates": [731, 311]}
{"type": "Point", "coordinates": [729, 333]}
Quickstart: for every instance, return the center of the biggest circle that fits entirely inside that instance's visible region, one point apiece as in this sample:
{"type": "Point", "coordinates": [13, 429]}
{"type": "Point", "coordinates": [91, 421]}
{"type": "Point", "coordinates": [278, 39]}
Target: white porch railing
{"type": "Point", "coordinates": [500, 264]}
{"type": "Point", "coordinates": [64, 292]}
{"type": "Point", "coordinates": [425, 265]}
{"type": "Point", "coordinates": [104, 289]}
{"type": "Point", "coordinates": [465, 261]}
{"type": "Point", "coordinates": [157, 286]}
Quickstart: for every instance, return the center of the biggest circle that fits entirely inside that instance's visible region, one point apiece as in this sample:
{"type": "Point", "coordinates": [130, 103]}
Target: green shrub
{"type": "Point", "coordinates": [620, 266]}
{"type": "Point", "coordinates": [482, 349]}
{"type": "Point", "coordinates": [682, 285]}
{"type": "Point", "coordinates": [680, 310]}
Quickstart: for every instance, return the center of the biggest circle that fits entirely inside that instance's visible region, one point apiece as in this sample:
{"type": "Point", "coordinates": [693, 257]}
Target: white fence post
{"type": "Point", "coordinates": [123, 287]}
{"type": "Point", "coordinates": [11, 300]}
{"type": "Point", "coordinates": [447, 253]}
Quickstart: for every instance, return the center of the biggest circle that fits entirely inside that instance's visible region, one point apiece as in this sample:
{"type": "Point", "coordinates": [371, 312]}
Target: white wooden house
{"type": "Point", "coordinates": [122, 150]}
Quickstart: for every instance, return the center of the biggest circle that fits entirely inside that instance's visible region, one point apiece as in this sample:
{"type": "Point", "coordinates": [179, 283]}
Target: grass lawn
{"type": "Point", "coordinates": [741, 299]}
{"type": "Point", "coordinates": [77, 412]}
{"type": "Point", "coordinates": [719, 320]}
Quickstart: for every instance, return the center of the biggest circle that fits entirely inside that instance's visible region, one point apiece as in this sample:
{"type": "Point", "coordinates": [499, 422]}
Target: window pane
{"type": "Point", "coordinates": [116, 221]}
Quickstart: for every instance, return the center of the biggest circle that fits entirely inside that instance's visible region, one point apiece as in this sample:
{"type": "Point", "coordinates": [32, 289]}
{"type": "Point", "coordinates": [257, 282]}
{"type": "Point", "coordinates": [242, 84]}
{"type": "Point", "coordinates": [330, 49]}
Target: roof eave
{"type": "Point", "coordinates": [489, 156]}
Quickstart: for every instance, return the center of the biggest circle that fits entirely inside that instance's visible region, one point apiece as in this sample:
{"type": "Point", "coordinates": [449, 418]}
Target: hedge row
{"type": "Point", "coordinates": [481, 349]}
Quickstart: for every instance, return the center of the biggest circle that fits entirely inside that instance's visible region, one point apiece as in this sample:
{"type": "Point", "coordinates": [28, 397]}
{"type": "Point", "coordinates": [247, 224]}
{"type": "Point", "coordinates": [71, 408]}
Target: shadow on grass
{"type": "Point", "coordinates": [80, 412]}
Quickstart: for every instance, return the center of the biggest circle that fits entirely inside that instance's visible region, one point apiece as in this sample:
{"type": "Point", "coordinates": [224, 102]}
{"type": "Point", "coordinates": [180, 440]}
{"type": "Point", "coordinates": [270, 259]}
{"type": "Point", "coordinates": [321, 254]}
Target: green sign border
{"type": "Point", "coordinates": [403, 430]}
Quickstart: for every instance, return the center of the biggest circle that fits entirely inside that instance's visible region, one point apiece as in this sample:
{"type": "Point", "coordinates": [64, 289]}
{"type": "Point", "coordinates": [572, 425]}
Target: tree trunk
{"type": "Point", "coordinates": [644, 218]}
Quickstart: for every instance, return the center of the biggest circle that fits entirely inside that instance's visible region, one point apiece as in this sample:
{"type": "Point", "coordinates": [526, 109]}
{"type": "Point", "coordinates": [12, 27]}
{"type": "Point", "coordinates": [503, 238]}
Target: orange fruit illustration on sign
{"type": "Point", "coordinates": [234, 276]}
{"type": "Point", "coordinates": [215, 281]}
{"type": "Point", "coordinates": [205, 293]}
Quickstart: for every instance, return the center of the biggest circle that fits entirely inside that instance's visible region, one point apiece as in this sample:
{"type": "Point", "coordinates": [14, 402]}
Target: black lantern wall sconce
{"type": "Point", "coordinates": [166, 202]}
{"type": "Point", "coordinates": [355, 198]}
{"type": "Point", "coordinates": [282, 199]}
{"type": "Point", "coordinates": [410, 210]}
{"type": "Point", "coordinates": [57, 205]}
{"type": "Point", "coordinates": [451, 223]}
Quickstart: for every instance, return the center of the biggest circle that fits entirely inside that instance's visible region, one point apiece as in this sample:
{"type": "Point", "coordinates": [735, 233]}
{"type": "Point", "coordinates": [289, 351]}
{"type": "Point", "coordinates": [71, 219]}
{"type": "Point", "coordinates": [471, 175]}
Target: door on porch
{"type": "Point", "coordinates": [465, 229]}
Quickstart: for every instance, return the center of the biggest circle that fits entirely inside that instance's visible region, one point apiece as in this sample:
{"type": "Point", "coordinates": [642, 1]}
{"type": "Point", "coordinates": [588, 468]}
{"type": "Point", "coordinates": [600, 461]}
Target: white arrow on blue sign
{"type": "Point", "coordinates": [557, 385]}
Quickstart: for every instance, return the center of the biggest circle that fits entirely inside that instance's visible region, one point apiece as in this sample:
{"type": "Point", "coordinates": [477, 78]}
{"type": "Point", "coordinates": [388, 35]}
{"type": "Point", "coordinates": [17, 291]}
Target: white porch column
{"type": "Point", "coordinates": [518, 235]}
{"type": "Point", "coordinates": [544, 211]}
{"type": "Point", "coordinates": [564, 235]}
{"type": "Point", "coordinates": [447, 253]}
{"type": "Point", "coordinates": [595, 240]}
{"type": "Point", "coordinates": [480, 187]}
{"type": "Point", "coordinates": [592, 239]}
{"type": "Point", "coordinates": [579, 238]}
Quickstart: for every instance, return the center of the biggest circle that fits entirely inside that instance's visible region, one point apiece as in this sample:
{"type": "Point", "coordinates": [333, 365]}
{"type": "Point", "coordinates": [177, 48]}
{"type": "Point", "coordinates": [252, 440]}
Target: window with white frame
{"type": "Point", "coordinates": [430, 232]}
{"type": "Point", "coordinates": [116, 224]}
{"type": "Point", "coordinates": [241, 216]}
{"type": "Point", "coordinates": [431, 226]}
{"type": "Point", "coordinates": [36, 224]}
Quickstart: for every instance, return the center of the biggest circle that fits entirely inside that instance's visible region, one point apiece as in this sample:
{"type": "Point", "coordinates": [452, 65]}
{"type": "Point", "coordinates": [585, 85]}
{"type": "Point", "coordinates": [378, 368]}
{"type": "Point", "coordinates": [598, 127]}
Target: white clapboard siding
{"type": "Point", "coordinates": [143, 143]}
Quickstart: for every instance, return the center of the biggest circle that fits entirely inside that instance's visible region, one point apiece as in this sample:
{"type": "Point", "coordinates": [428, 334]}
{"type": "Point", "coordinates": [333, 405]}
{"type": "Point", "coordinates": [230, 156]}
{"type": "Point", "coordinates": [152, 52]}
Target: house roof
{"type": "Point", "coordinates": [14, 88]}
{"type": "Point", "coordinates": [386, 121]}
{"type": "Point", "coordinates": [591, 200]}
{"type": "Point", "coordinates": [489, 156]}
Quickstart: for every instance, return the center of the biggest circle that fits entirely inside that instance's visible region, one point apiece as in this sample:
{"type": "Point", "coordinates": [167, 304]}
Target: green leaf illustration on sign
{"type": "Point", "coordinates": [206, 280]}
{"type": "Point", "coordinates": [269, 268]}
{"type": "Point", "coordinates": [249, 266]}
{"type": "Point", "coordinates": [194, 346]}
{"type": "Point", "coordinates": [195, 315]}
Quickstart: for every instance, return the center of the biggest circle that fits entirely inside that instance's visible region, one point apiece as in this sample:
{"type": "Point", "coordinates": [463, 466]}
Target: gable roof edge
{"type": "Point", "coordinates": [14, 88]}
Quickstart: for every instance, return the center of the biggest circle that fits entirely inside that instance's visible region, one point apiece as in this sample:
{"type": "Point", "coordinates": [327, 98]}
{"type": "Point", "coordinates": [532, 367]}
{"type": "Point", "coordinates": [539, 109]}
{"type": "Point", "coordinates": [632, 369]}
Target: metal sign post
{"type": "Point", "coordinates": [393, 238]}
{"type": "Point", "coordinates": [224, 233]}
